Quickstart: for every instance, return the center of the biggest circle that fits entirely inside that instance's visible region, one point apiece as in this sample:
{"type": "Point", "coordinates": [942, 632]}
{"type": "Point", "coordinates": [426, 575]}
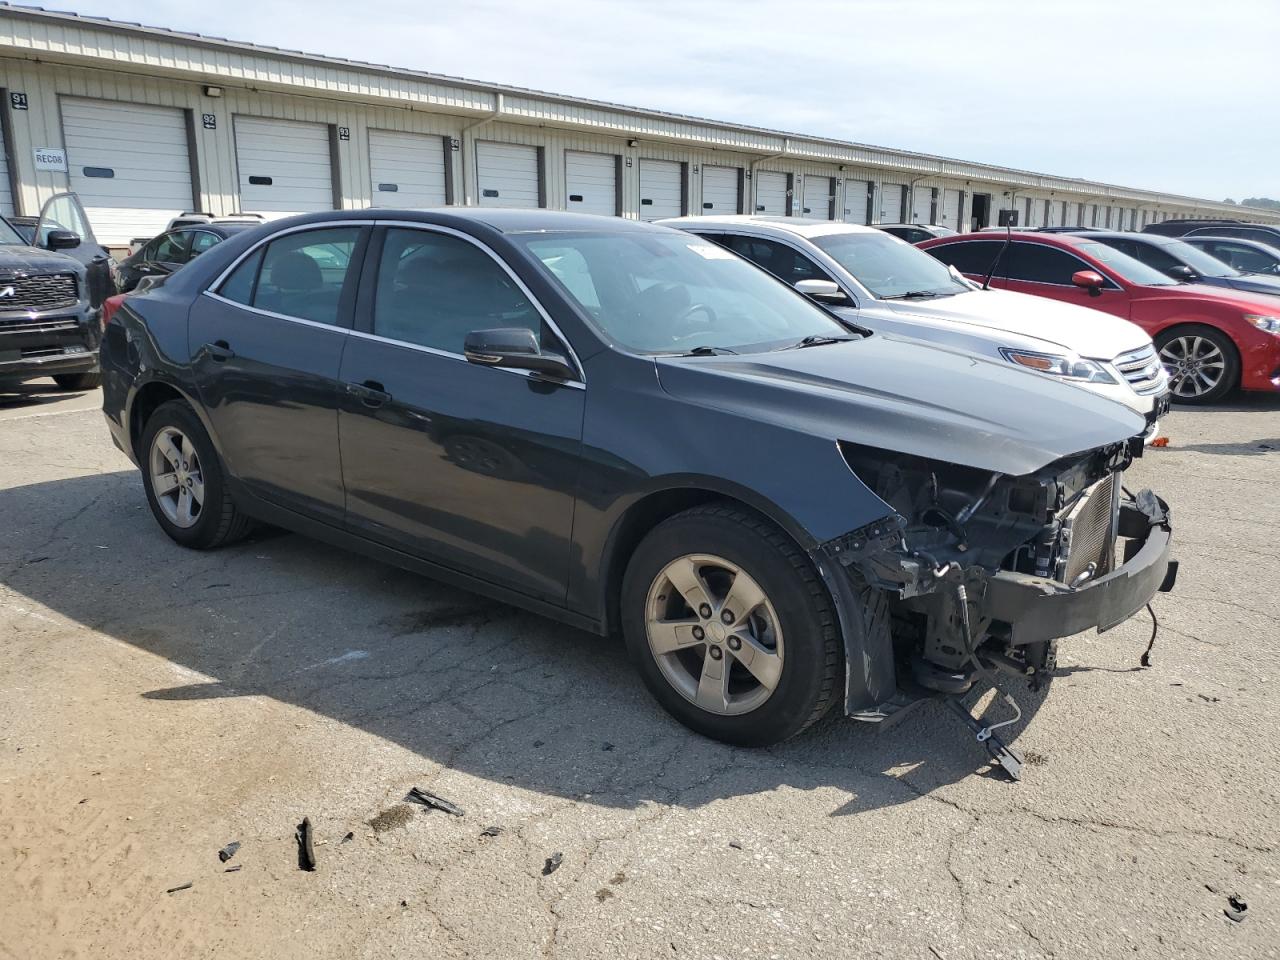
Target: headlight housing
{"type": "Point", "coordinates": [1065, 365]}
{"type": "Point", "coordinates": [1264, 323]}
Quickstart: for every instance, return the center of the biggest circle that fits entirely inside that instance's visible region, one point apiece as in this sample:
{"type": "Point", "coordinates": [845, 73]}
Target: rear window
{"type": "Point", "coordinates": [973, 256]}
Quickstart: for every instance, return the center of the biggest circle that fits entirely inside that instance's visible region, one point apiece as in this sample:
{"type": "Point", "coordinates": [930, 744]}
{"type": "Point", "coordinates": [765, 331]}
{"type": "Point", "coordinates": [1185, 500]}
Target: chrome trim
{"type": "Point", "coordinates": [1143, 370]}
{"type": "Point", "coordinates": [436, 352]}
{"type": "Point", "coordinates": [278, 316]}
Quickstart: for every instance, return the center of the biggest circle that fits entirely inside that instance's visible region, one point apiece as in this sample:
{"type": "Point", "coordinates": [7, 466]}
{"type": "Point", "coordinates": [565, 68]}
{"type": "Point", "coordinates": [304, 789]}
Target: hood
{"type": "Point", "coordinates": [909, 397]}
{"type": "Point", "coordinates": [1089, 333]}
{"type": "Point", "coordinates": [1255, 283]}
{"type": "Point", "coordinates": [32, 260]}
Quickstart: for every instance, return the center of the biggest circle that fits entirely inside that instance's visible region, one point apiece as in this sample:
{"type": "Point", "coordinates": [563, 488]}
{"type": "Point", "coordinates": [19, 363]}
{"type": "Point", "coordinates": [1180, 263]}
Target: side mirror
{"type": "Point", "coordinates": [1182, 272]}
{"type": "Point", "coordinates": [824, 291]}
{"type": "Point", "coordinates": [61, 240]}
{"type": "Point", "coordinates": [515, 348]}
{"type": "Point", "coordinates": [1091, 280]}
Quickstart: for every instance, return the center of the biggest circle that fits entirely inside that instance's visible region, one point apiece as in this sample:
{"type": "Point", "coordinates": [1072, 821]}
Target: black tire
{"type": "Point", "coordinates": [78, 381]}
{"type": "Point", "coordinates": [812, 673]}
{"type": "Point", "coordinates": [219, 522]}
{"type": "Point", "coordinates": [1231, 357]}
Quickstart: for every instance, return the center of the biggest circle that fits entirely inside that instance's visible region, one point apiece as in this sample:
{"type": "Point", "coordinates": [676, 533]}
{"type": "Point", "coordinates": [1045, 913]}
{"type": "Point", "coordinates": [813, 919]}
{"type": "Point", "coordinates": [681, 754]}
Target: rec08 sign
{"type": "Point", "coordinates": [51, 158]}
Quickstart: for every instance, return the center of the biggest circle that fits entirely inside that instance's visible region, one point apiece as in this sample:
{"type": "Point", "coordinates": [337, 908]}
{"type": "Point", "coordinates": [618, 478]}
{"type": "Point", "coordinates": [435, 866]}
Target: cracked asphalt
{"type": "Point", "coordinates": [157, 703]}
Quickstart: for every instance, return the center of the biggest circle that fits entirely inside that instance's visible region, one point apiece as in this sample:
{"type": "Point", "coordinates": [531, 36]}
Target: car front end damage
{"type": "Point", "coordinates": [985, 572]}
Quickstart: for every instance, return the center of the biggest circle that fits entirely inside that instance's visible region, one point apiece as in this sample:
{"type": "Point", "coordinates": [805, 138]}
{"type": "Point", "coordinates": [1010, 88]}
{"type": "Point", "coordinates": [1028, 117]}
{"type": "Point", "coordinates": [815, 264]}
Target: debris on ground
{"type": "Point", "coordinates": [603, 894]}
{"type": "Point", "coordinates": [1236, 908]}
{"type": "Point", "coordinates": [235, 869]}
{"type": "Point", "coordinates": [1160, 442]}
{"type": "Point", "coordinates": [490, 831]}
{"type": "Point", "coordinates": [430, 800]}
{"type": "Point", "coordinates": [1208, 699]}
{"type": "Point", "coordinates": [306, 847]}
{"type": "Point", "coordinates": [1035, 758]}
{"type": "Point", "coordinates": [350, 836]}
{"type": "Point", "coordinates": [735, 844]}
{"type": "Point", "coordinates": [607, 747]}
{"type": "Point", "coordinates": [182, 886]}
{"type": "Point", "coordinates": [392, 817]}
{"type": "Point", "coordinates": [619, 877]}
{"type": "Point", "coordinates": [538, 743]}
{"type": "Point", "coordinates": [552, 864]}
{"type": "Point", "coordinates": [229, 851]}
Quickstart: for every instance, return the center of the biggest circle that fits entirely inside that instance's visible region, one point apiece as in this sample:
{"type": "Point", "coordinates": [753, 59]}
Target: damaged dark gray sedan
{"type": "Point", "coordinates": [632, 430]}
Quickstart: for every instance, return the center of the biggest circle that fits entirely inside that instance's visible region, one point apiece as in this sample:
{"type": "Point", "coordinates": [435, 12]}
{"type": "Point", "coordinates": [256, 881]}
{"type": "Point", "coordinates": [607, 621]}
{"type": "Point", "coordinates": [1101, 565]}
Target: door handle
{"type": "Point", "coordinates": [219, 351]}
{"type": "Point", "coordinates": [371, 393]}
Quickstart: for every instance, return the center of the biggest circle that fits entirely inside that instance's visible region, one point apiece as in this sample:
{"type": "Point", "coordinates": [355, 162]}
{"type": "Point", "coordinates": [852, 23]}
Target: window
{"type": "Point", "coordinates": [971, 257]}
{"type": "Point", "coordinates": [889, 267]}
{"type": "Point", "coordinates": [202, 241]}
{"type": "Point", "coordinates": [301, 274]}
{"type": "Point", "coordinates": [172, 248]}
{"type": "Point", "coordinates": [433, 289]}
{"type": "Point", "coordinates": [1039, 263]}
{"type": "Point", "coordinates": [1245, 259]}
{"type": "Point", "coordinates": [778, 258]}
{"type": "Point", "coordinates": [1149, 254]}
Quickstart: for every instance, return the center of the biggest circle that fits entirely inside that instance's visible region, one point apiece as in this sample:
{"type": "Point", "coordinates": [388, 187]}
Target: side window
{"type": "Point", "coordinates": [1262, 236]}
{"type": "Point", "coordinates": [970, 257]}
{"type": "Point", "coordinates": [172, 248]}
{"type": "Point", "coordinates": [1153, 256]}
{"type": "Point", "coordinates": [433, 289]}
{"type": "Point", "coordinates": [778, 258]}
{"type": "Point", "coordinates": [149, 251]}
{"type": "Point", "coordinates": [1038, 263]}
{"type": "Point", "coordinates": [303, 274]}
{"type": "Point", "coordinates": [1243, 258]}
{"type": "Point", "coordinates": [239, 286]}
{"type": "Point", "coordinates": [203, 241]}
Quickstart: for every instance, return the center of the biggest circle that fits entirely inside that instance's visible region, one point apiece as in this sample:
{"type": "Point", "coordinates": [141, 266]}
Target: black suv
{"type": "Point", "coordinates": [1237, 229]}
{"type": "Point", "coordinates": [51, 293]}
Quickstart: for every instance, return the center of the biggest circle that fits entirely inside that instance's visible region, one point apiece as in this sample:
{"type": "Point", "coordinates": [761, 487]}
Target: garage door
{"type": "Point", "coordinates": [6, 194]}
{"type": "Point", "coordinates": [952, 201]}
{"type": "Point", "coordinates": [284, 166]}
{"type": "Point", "coordinates": [892, 202]}
{"type": "Point", "coordinates": [591, 180]}
{"type": "Point", "coordinates": [507, 175]}
{"type": "Point", "coordinates": [817, 198]}
{"type": "Point", "coordinates": [922, 205]}
{"type": "Point", "coordinates": [856, 193]}
{"type": "Point", "coordinates": [720, 190]}
{"type": "Point", "coordinates": [129, 164]}
{"type": "Point", "coordinates": [660, 191]}
{"type": "Point", "coordinates": [771, 193]}
{"type": "Point", "coordinates": [407, 169]}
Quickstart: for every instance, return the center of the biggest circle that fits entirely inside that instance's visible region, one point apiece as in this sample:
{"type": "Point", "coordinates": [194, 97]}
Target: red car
{"type": "Point", "coordinates": [1210, 339]}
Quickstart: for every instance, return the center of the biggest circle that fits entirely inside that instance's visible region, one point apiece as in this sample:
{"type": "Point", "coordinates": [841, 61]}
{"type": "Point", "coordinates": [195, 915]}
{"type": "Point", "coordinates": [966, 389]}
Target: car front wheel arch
{"type": "Point", "coordinates": [1190, 340]}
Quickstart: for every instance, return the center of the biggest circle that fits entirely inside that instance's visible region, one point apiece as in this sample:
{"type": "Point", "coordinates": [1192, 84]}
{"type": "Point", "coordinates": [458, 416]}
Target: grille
{"type": "Point", "coordinates": [43, 325]}
{"type": "Point", "coordinates": [1089, 530]}
{"type": "Point", "coordinates": [1143, 369]}
{"type": "Point", "coordinates": [39, 293]}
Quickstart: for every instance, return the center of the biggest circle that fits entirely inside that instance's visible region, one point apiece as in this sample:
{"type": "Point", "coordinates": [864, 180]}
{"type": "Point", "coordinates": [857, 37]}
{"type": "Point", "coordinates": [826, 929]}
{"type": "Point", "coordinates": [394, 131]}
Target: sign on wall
{"type": "Point", "coordinates": [51, 158]}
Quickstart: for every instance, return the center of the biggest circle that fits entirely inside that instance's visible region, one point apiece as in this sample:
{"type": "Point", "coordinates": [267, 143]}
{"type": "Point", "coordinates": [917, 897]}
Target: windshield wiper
{"type": "Point", "coordinates": [707, 351]}
{"type": "Point", "coordinates": [916, 295]}
{"type": "Point", "coordinates": [819, 340]}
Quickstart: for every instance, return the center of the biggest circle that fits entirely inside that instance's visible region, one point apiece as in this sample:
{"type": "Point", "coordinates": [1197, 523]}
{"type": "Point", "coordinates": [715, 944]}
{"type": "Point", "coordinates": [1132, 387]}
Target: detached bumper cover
{"type": "Point", "coordinates": [1039, 609]}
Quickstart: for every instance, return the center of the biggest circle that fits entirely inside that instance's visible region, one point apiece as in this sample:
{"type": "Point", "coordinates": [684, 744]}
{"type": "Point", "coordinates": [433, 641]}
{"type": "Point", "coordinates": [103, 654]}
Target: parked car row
{"type": "Point", "coordinates": [770, 481]}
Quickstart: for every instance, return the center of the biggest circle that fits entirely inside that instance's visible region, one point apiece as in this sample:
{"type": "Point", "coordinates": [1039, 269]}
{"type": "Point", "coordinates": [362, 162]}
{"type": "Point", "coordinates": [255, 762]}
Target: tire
{"type": "Point", "coordinates": [1187, 343]}
{"type": "Point", "coordinates": [78, 381]}
{"type": "Point", "coordinates": [216, 522]}
{"type": "Point", "coordinates": [796, 612]}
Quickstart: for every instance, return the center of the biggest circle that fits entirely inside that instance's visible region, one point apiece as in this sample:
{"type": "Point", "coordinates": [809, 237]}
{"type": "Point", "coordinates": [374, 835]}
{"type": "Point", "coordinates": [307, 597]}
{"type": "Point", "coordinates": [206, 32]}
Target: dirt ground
{"type": "Point", "coordinates": [157, 703]}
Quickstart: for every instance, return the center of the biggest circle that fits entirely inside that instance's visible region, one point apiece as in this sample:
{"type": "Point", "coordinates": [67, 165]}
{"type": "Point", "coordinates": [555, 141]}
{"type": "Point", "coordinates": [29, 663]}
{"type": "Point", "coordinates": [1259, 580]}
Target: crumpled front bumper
{"type": "Point", "coordinates": [1038, 609]}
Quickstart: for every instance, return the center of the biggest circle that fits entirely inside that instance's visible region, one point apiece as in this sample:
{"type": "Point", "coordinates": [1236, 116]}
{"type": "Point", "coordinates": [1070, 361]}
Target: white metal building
{"type": "Point", "coordinates": [145, 123]}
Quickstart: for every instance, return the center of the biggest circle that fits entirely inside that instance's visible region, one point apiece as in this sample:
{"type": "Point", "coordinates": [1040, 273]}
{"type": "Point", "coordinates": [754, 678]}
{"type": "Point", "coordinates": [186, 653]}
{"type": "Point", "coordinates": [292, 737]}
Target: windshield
{"type": "Point", "coordinates": [888, 267]}
{"type": "Point", "coordinates": [659, 293]}
{"type": "Point", "coordinates": [1199, 261]}
{"type": "Point", "coordinates": [10, 236]}
{"type": "Point", "coordinates": [1135, 271]}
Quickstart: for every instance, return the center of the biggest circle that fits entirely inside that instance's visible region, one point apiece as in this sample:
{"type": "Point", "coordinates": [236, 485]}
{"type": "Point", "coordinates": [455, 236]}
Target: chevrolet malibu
{"type": "Point", "coordinates": [633, 430]}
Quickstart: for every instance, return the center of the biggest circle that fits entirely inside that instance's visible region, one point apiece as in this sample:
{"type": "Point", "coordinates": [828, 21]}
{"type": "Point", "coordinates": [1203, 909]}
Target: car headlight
{"type": "Point", "coordinates": [1264, 323]}
{"type": "Point", "coordinates": [1066, 366]}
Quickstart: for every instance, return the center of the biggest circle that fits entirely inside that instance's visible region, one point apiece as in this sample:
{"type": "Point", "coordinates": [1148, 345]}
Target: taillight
{"type": "Point", "coordinates": [110, 306]}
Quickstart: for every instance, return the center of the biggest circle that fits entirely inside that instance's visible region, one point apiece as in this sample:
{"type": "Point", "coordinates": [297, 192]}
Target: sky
{"type": "Point", "coordinates": [1178, 96]}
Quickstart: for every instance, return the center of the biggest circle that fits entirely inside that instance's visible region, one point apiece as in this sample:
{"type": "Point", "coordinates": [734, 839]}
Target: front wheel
{"type": "Point", "coordinates": [730, 626]}
{"type": "Point", "coordinates": [1202, 362]}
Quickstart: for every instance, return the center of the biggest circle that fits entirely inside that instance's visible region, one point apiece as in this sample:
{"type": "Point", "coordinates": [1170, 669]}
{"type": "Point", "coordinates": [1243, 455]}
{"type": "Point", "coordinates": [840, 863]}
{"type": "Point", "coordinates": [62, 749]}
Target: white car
{"type": "Point", "coordinates": [884, 283]}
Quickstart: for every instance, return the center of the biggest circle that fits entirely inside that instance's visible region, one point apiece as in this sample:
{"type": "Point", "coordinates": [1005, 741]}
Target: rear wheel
{"type": "Point", "coordinates": [730, 627]}
{"type": "Point", "coordinates": [1202, 362]}
{"type": "Point", "coordinates": [78, 381]}
{"type": "Point", "coordinates": [185, 482]}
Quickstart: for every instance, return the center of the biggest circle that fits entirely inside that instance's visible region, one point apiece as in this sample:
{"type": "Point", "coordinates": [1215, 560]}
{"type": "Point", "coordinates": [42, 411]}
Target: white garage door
{"type": "Point", "coordinates": [660, 189]}
{"type": "Point", "coordinates": [129, 164]}
{"type": "Point", "coordinates": [817, 198]}
{"type": "Point", "coordinates": [892, 201]}
{"type": "Point", "coordinates": [952, 200]}
{"type": "Point", "coordinates": [406, 169]}
{"type": "Point", "coordinates": [284, 166]}
{"type": "Point", "coordinates": [720, 190]}
{"type": "Point", "coordinates": [922, 204]}
{"type": "Point", "coordinates": [771, 193]}
{"type": "Point", "coordinates": [507, 175]}
{"type": "Point", "coordinates": [6, 193]}
{"type": "Point", "coordinates": [592, 182]}
{"type": "Point", "coordinates": [856, 193]}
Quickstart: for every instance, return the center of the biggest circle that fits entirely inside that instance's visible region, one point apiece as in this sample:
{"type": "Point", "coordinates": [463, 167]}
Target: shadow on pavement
{"type": "Point", "coordinates": [456, 678]}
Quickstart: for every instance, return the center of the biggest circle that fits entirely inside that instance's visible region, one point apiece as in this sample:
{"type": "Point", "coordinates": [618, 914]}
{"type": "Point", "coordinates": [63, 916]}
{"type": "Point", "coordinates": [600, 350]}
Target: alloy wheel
{"type": "Point", "coordinates": [176, 477]}
{"type": "Point", "coordinates": [714, 634]}
{"type": "Point", "coordinates": [1196, 365]}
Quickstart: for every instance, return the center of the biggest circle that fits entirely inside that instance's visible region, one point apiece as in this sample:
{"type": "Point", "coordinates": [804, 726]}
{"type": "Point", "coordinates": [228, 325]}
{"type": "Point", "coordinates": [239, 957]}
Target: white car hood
{"type": "Point", "coordinates": [1089, 333]}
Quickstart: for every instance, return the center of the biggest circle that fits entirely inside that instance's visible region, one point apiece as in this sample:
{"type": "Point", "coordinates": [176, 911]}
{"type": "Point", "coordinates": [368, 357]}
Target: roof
{"type": "Point", "coordinates": [324, 76]}
{"type": "Point", "coordinates": [502, 219]}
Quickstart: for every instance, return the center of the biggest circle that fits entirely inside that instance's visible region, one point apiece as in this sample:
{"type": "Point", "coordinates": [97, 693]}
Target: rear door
{"type": "Point", "coordinates": [63, 211]}
{"type": "Point", "coordinates": [266, 347]}
{"type": "Point", "coordinates": [464, 465]}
